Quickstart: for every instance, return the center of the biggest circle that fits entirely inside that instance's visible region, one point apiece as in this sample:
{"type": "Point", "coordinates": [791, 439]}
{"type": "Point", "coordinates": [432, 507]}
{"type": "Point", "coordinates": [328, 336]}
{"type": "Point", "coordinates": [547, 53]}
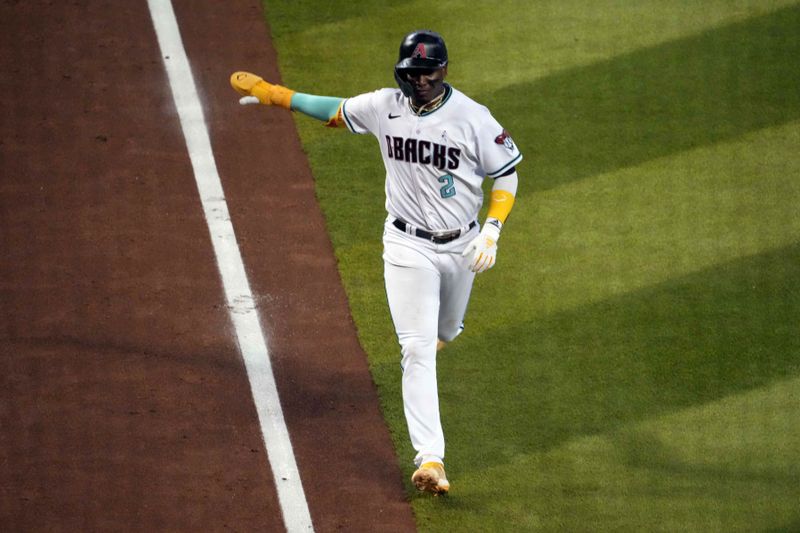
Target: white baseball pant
{"type": "Point", "coordinates": [428, 287]}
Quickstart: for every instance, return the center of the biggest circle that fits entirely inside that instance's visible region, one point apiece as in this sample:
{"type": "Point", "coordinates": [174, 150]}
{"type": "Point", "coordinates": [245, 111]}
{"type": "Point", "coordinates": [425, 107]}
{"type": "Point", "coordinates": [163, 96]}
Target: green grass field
{"type": "Point", "coordinates": [633, 361]}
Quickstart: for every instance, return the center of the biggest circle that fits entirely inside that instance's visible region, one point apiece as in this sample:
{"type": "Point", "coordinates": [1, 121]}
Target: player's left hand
{"type": "Point", "coordinates": [255, 90]}
{"type": "Point", "coordinates": [483, 249]}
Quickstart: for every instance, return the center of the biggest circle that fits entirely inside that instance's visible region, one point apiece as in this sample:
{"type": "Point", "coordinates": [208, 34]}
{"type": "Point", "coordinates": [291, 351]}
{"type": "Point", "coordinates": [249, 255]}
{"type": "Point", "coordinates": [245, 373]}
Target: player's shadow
{"type": "Point", "coordinates": [656, 101]}
{"type": "Point", "coordinates": [661, 349]}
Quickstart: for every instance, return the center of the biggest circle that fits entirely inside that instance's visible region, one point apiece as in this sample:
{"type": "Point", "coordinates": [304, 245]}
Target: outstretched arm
{"type": "Point", "coordinates": [255, 90]}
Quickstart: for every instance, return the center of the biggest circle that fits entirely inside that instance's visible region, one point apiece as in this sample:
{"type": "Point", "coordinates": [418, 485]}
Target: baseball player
{"type": "Point", "coordinates": [438, 146]}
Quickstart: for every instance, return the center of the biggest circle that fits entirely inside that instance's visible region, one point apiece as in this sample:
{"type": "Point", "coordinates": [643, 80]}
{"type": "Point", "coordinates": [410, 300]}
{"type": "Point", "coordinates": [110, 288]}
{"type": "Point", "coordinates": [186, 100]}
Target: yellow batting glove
{"type": "Point", "coordinates": [253, 88]}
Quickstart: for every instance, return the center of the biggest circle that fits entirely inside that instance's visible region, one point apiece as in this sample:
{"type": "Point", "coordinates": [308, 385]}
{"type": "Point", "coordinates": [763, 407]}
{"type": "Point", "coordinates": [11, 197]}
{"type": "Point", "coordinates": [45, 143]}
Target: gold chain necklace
{"type": "Point", "coordinates": [433, 105]}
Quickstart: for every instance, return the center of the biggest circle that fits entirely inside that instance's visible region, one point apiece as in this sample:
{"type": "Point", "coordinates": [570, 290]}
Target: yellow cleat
{"type": "Point", "coordinates": [430, 477]}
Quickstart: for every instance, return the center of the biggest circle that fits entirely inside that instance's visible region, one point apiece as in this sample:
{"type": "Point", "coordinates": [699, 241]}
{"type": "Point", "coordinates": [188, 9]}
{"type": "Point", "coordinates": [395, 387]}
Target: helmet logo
{"type": "Point", "coordinates": [419, 52]}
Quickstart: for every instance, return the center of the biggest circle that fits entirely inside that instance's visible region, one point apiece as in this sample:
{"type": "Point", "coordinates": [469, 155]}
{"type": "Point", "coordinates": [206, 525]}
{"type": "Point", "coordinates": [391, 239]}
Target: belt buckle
{"type": "Point", "coordinates": [443, 238]}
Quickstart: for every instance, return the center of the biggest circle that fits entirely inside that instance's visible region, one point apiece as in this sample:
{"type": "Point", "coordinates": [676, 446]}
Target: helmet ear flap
{"type": "Point", "coordinates": [404, 84]}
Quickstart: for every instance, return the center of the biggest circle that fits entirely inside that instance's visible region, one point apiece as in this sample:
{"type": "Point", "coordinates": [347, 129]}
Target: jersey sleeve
{"type": "Point", "coordinates": [360, 113]}
{"type": "Point", "coordinates": [498, 151]}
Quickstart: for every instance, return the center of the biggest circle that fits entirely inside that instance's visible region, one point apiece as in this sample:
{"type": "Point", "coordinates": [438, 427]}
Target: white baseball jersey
{"type": "Point", "coordinates": [436, 161]}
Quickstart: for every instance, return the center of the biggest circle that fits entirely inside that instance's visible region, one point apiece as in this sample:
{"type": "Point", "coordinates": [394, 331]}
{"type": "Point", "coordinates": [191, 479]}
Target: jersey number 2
{"type": "Point", "coordinates": [448, 188]}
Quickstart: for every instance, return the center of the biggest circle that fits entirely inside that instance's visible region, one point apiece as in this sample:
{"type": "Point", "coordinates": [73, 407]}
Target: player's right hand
{"type": "Point", "coordinates": [254, 89]}
{"type": "Point", "coordinates": [483, 249]}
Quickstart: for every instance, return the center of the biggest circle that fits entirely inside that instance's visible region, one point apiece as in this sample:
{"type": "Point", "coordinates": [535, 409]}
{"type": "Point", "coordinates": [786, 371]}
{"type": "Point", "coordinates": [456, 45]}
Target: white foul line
{"type": "Point", "coordinates": [240, 301]}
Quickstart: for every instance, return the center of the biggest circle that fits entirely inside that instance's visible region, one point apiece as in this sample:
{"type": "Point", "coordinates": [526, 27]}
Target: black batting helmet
{"type": "Point", "coordinates": [419, 49]}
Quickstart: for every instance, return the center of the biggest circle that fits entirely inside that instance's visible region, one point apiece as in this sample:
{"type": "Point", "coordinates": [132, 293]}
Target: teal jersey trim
{"type": "Point", "coordinates": [320, 107]}
{"type": "Point", "coordinates": [346, 118]}
{"type": "Point", "coordinates": [505, 167]}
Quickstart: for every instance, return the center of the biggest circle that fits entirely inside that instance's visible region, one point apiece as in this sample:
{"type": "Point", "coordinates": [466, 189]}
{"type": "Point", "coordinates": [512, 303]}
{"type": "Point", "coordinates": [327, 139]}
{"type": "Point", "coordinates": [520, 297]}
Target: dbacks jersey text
{"type": "Point", "coordinates": [435, 161]}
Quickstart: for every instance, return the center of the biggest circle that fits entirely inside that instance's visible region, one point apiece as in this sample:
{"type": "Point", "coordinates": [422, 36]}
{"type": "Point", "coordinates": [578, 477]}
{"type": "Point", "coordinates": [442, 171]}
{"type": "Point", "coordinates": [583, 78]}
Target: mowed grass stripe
{"type": "Point", "coordinates": [699, 469]}
{"type": "Point", "coordinates": [642, 225]}
{"type": "Point", "coordinates": [660, 100]}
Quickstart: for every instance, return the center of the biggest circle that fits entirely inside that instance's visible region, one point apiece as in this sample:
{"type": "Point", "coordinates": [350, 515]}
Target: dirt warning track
{"type": "Point", "coordinates": [124, 402]}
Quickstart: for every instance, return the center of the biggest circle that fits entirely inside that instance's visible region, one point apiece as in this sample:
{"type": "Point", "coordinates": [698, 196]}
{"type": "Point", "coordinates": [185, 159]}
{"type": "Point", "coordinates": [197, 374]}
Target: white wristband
{"type": "Point", "coordinates": [491, 228]}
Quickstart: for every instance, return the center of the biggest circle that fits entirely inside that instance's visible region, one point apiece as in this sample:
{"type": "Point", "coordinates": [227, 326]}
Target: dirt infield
{"type": "Point", "coordinates": [124, 403]}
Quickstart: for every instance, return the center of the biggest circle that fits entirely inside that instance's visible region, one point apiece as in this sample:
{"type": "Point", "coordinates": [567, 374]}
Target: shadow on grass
{"type": "Point", "coordinates": [305, 15]}
{"type": "Point", "coordinates": [643, 450]}
{"type": "Point", "coordinates": [661, 349]}
{"type": "Point", "coordinates": [656, 101]}
{"type": "Point", "coordinates": [789, 528]}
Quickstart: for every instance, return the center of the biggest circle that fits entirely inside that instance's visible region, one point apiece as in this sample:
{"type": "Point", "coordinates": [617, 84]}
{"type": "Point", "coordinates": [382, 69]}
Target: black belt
{"type": "Point", "coordinates": [436, 238]}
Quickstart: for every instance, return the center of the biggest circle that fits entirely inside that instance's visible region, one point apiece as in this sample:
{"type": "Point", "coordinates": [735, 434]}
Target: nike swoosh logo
{"type": "Point", "coordinates": [393, 116]}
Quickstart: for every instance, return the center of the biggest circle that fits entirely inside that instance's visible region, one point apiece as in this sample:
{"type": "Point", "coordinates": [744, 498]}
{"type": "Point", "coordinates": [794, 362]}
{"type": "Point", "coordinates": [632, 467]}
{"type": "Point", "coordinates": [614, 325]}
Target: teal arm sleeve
{"type": "Point", "coordinates": [319, 107]}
